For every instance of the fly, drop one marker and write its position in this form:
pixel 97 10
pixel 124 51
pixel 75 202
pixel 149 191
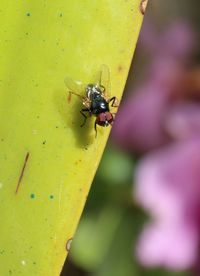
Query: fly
pixel 96 101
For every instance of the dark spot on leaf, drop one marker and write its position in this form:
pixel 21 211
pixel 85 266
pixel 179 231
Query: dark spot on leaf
pixel 120 68
pixel 22 172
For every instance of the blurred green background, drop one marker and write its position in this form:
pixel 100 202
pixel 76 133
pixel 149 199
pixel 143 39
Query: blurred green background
pixel 111 221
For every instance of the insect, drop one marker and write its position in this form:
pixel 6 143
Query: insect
pixel 96 100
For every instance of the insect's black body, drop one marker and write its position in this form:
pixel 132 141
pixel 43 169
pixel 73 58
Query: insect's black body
pixel 99 105
pixel 98 102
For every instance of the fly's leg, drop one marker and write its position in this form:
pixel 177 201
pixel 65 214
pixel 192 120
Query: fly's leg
pixel 114 102
pixel 87 103
pixel 95 128
pixel 114 114
pixel 83 114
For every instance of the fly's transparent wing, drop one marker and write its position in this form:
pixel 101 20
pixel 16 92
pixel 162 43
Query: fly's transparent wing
pixel 75 86
pixel 104 79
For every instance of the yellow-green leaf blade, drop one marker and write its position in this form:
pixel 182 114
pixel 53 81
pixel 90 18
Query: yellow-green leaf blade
pixel 42 195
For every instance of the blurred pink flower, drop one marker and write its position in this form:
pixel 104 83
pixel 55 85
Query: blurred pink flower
pixel 142 120
pixel 163 117
pixel 168 186
pixel 177 40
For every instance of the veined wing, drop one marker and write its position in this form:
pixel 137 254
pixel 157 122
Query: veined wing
pixel 104 79
pixel 75 86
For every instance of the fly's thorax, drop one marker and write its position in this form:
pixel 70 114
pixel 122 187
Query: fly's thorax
pixel 93 91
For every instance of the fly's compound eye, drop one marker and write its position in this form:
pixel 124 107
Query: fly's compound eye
pixel 104 119
pixel 109 117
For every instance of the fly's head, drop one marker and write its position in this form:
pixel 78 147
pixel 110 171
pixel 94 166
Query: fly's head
pixel 104 119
